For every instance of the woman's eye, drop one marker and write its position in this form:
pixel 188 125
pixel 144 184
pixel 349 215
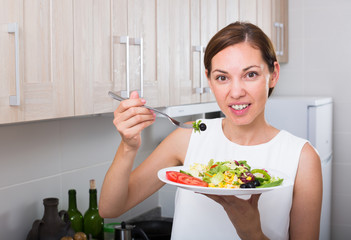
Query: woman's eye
pixel 221 78
pixel 251 74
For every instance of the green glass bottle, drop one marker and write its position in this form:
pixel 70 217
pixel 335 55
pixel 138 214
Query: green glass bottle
pixel 74 214
pixel 93 223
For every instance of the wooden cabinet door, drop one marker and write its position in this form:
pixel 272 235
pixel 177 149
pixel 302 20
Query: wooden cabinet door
pixel 228 12
pixel 280 29
pixel 134 64
pixel 248 11
pixel 92 57
pixel 264 16
pixel 10 19
pixel 174 36
pixel 48 59
pixel 45 32
pixel 204 27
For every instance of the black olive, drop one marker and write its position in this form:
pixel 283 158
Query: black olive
pixel 256 183
pixel 243 185
pixel 202 126
pixel 250 185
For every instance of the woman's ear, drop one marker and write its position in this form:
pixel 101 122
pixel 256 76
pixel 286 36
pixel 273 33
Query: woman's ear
pixel 275 75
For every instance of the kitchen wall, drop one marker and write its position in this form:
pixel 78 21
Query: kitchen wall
pixel 319 63
pixel 47 158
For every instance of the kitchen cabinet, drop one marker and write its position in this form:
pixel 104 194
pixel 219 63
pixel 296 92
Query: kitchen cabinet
pixel 272 17
pixel 183 31
pixel 92 57
pixel 134 50
pixel 248 11
pixel 114 50
pixel 36 44
pixel 280 29
pixel 60 58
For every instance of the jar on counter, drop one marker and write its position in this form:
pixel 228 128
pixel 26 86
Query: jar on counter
pixel 109 230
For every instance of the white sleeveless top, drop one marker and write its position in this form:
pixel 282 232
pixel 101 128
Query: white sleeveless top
pixel 198 217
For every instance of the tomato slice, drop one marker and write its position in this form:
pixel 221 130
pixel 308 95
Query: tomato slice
pixel 173 175
pixel 189 180
pixel 213 166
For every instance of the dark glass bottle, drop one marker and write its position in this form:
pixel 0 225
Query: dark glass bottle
pixel 74 214
pixel 93 223
pixel 54 225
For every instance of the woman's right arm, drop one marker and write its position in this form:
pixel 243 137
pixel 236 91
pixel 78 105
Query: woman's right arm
pixel 130 119
pixel 123 188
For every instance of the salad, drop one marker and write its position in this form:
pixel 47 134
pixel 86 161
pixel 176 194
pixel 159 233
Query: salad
pixel 226 174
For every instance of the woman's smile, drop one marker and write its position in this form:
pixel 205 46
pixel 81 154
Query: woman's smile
pixel 240 109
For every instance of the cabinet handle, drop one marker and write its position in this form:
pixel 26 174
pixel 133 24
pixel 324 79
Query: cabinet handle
pixel 132 41
pixel 277 37
pixel 140 42
pixel 125 40
pixel 282 39
pixel 15 99
pixel 201 89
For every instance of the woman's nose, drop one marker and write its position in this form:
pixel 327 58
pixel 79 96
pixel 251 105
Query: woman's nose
pixel 237 89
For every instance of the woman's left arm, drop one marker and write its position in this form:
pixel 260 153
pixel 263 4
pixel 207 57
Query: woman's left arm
pixel 307 198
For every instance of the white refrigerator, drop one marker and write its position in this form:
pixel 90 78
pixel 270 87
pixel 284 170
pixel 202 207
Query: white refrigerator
pixel 309 118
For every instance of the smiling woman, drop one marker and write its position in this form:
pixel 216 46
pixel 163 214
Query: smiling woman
pixel 242 71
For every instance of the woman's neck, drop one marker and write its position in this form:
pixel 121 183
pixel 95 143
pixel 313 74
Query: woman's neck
pixel 255 133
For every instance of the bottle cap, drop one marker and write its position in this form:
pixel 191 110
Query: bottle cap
pixel 92 184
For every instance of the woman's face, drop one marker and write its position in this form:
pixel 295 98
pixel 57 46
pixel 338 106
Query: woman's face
pixel 240 81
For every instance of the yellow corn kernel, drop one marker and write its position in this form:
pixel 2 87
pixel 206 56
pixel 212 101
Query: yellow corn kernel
pixel 211 185
pixel 239 181
pixel 249 178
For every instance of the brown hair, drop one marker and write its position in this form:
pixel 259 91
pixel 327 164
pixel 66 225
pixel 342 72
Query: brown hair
pixel 238 32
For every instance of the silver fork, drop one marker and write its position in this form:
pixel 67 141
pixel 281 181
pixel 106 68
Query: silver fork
pixel 175 122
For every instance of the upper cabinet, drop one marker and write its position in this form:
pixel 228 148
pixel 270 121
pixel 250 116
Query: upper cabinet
pixel 92 57
pixel 134 57
pixel 36 45
pixel 115 49
pixel 60 58
pixel 272 17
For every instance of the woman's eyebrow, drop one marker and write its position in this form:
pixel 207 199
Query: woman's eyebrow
pixel 221 71
pixel 252 66
pixel 245 69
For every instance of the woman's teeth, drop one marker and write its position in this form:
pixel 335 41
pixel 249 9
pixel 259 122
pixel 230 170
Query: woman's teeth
pixel 240 107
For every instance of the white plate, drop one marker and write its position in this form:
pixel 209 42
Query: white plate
pixel 224 191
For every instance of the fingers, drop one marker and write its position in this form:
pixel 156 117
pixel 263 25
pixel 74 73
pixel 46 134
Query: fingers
pixel 134 95
pixel 130 118
pixel 133 101
pixel 254 199
pixel 233 200
pixel 216 198
pixel 133 116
